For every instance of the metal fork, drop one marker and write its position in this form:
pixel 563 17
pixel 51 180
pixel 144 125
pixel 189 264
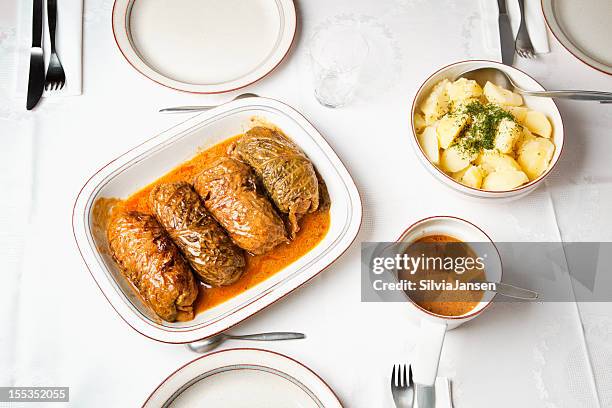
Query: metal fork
pixel 522 44
pixel 402 387
pixel 56 78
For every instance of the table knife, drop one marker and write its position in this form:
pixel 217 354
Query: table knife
pixel 506 39
pixel 36 81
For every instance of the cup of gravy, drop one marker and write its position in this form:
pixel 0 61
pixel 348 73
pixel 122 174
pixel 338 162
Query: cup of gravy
pixel 444 296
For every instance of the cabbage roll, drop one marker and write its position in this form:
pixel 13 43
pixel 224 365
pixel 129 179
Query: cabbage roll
pixel 149 259
pixel 287 174
pixel 229 191
pixel 215 259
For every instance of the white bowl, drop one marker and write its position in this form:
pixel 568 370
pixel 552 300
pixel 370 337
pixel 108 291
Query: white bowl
pixel 545 105
pixel 155 157
pixel 464 231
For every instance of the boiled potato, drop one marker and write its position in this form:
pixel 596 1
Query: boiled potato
pixel 463 89
pixel 491 161
pixel 459 104
pixel 526 135
pixel 419 122
pixel 471 177
pixel 437 103
pixel 508 132
pixel 496 94
pixel 519 112
pixel 534 156
pixel 449 128
pixel 429 142
pixel 538 123
pixel 504 180
pixel 458 175
pixel 520 151
pixel 453 159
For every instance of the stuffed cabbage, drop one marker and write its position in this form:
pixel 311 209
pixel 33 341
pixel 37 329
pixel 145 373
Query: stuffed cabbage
pixel 287 174
pixel 229 191
pixel 215 259
pixel 149 259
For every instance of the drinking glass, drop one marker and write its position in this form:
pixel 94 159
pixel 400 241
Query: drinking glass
pixel 337 56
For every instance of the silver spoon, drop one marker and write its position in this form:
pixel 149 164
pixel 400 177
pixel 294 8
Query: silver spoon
pixel 204 345
pixel 500 78
pixel 201 108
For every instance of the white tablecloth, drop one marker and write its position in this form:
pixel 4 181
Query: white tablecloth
pixel 57 328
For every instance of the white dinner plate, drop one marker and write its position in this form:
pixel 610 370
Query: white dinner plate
pixel 204 46
pixel 584 28
pixel 243 378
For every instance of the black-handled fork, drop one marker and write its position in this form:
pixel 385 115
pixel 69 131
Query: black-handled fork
pixel 56 78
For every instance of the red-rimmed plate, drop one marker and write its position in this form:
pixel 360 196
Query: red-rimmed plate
pixel 583 28
pixel 243 378
pixel 204 46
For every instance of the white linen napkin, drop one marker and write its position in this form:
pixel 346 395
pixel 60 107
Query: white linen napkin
pixel 536 25
pixel 16 178
pixel 443 393
pixel 69 44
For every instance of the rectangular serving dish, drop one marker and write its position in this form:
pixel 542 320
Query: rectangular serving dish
pixel 155 157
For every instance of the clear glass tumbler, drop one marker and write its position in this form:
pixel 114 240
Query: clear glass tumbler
pixel 337 56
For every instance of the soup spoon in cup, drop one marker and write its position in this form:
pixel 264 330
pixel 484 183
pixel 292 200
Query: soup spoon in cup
pixel 514 292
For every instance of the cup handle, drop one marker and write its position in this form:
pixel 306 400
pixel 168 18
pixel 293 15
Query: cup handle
pixel 428 350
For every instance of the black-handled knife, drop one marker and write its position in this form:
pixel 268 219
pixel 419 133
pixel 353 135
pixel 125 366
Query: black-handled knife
pixel 506 39
pixel 36 81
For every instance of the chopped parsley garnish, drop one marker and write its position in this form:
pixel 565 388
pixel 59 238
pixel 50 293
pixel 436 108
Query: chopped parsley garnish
pixel 480 133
